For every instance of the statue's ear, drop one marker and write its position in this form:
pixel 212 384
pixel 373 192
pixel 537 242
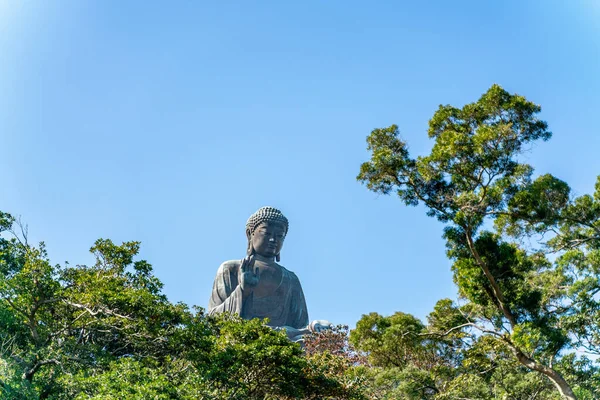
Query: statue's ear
pixel 278 257
pixel 250 249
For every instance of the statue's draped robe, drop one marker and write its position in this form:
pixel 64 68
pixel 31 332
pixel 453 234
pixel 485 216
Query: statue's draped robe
pixel 284 307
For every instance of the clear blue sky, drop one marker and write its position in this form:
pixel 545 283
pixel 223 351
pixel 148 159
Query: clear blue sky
pixel 171 123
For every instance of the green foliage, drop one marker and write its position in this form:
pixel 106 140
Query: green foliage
pixel 471 171
pixel 11 384
pixel 128 379
pixel 390 341
pixel 408 360
pixel 449 363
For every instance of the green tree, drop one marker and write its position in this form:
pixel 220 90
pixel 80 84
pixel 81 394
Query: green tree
pixel 79 318
pixel 473 175
pixel 405 360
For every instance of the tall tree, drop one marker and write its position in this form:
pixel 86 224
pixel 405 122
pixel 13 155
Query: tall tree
pixel 473 176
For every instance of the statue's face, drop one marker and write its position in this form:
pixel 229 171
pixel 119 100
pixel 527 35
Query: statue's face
pixel 267 239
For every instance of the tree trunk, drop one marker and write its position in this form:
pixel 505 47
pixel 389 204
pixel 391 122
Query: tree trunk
pixel 563 387
pixel 498 296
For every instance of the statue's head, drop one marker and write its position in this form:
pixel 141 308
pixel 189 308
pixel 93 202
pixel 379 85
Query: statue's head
pixel 266 230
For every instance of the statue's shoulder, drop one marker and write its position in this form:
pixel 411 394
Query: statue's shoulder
pixel 229 266
pixel 292 276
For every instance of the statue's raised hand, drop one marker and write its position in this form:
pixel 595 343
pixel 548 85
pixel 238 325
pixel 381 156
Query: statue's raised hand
pixel 248 275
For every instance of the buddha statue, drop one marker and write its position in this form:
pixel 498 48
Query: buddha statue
pixel 258 286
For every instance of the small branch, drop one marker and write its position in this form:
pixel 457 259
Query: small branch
pixel 99 311
pixel 28 375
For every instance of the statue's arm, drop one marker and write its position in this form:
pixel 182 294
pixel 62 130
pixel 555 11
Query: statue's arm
pixel 300 314
pixel 226 294
pixel 299 325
